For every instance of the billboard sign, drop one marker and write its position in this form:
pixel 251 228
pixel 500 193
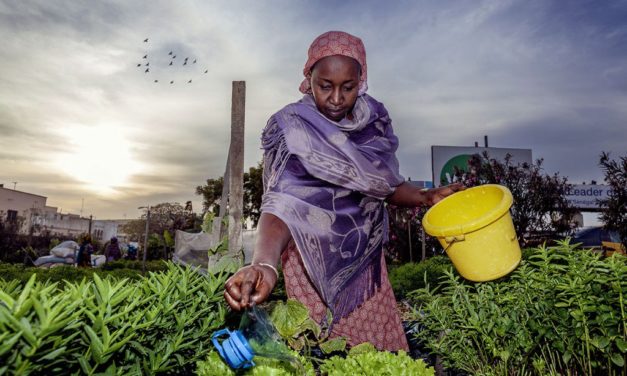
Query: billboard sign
pixel 586 196
pixel 444 159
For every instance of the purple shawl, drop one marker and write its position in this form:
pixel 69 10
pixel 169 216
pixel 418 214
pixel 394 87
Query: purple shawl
pixel 327 180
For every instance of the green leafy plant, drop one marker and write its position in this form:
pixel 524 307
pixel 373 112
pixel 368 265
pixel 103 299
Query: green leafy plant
pixel 157 324
pixel 375 363
pixel 561 311
pixel 291 320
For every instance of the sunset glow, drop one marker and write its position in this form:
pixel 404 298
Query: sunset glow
pixel 99 156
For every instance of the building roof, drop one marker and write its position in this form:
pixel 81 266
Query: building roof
pixel 25 193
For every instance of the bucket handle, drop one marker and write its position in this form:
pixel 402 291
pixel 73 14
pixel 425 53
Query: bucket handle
pixel 452 240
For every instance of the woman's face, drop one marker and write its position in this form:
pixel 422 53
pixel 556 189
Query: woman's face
pixel 335 85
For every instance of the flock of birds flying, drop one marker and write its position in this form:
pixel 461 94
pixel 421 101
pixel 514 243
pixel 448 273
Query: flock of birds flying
pixel 173 68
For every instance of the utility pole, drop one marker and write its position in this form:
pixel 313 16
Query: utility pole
pixel 411 252
pixel 14 185
pixel 145 237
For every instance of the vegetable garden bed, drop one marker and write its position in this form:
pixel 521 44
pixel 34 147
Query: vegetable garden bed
pixel 561 312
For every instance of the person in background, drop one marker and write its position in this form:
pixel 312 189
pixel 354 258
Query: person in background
pixel 131 252
pixel 113 252
pixel 329 169
pixel 83 259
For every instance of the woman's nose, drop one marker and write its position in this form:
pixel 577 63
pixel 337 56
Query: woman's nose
pixel 336 97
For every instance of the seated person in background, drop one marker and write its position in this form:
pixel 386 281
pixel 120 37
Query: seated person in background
pixel 113 252
pixel 83 258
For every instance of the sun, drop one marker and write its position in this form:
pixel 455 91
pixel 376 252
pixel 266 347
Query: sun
pixel 100 156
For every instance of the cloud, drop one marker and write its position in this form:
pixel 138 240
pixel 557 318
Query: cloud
pixel 549 76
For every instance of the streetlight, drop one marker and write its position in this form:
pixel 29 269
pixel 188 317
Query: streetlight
pixel 146 236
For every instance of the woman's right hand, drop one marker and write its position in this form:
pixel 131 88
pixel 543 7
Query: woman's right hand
pixel 250 285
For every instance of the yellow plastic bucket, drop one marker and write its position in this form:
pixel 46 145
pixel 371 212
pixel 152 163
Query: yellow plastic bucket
pixel 476 230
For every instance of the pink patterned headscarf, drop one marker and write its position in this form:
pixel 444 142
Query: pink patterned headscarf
pixel 335 43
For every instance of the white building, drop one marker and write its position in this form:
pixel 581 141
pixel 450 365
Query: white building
pixel 25 209
pixel 104 229
pixel 31 213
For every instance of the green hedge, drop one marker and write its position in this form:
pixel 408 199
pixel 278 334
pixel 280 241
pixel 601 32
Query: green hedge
pixel 161 323
pixel 412 276
pixel 118 269
pixel 562 311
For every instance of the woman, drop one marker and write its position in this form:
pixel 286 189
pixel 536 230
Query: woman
pixel 329 167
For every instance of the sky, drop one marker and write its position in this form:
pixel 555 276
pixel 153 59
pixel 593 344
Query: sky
pixel 82 124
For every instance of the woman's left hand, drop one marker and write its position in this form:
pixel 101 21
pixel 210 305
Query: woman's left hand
pixel 435 195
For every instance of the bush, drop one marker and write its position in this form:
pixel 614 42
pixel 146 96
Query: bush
pixel 160 323
pixel 412 276
pixel 117 269
pixel 561 311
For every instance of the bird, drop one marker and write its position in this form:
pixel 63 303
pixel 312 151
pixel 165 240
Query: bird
pixel 156 80
pixel 173 56
pixel 146 40
pixel 170 63
pixel 185 63
pixel 147 64
pixel 145 56
pixel 139 65
pixel 147 70
pixel 189 82
pixel 171 82
pixel 207 71
pixel 186 58
pixel 194 62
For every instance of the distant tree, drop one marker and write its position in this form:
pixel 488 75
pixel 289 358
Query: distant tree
pixel 9 237
pixel 253 191
pixel 211 193
pixel 165 219
pixel 614 208
pixel 540 208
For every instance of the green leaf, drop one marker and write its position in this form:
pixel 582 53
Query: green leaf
pixel 7 300
pixel 362 348
pixel 621 344
pixel 601 342
pixel 95 344
pixel 53 354
pixel 288 317
pixel 618 359
pixel 84 365
pixel 333 345
pixel 18 309
pixel 8 343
